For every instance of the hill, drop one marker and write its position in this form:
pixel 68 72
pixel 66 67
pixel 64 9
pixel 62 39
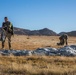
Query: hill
pixel 72 33
pixel 44 31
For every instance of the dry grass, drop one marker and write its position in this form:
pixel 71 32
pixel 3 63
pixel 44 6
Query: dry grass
pixel 34 42
pixel 37 65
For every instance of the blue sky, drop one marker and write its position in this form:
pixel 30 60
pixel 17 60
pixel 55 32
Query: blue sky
pixel 57 15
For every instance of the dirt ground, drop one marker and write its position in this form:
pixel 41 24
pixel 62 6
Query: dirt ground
pixel 33 42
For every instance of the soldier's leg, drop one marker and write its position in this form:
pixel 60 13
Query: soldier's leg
pixel 3 43
pixel 62 42
pixel 1 36
pixel 66 42
pixel 9 42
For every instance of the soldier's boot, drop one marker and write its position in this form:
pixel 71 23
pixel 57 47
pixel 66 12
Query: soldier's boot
pixel 58 43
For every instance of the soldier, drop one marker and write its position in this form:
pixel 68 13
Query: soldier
pixel 63 39
pixel 7 31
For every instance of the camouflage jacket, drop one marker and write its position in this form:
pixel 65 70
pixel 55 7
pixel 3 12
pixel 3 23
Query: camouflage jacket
pixel 7 26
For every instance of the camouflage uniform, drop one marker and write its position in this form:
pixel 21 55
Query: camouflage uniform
pixel 7 31
pixel 63 39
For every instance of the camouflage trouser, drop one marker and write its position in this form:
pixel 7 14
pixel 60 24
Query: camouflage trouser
pixel 5 35
pixel 62 41
pixel 65 40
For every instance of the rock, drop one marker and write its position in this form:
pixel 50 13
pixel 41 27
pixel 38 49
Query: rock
pixel 45 51
pixel 68 51
pixel 73 46
pixel 20 52
pixel 65 51
pixel 5 52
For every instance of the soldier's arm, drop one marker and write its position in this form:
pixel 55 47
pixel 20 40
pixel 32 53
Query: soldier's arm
pixel 2 25
pixel 12 29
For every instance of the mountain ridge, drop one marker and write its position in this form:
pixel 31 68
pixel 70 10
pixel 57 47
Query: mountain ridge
pixel 44 31
pixel 71 33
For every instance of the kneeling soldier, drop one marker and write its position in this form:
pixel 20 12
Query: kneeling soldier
pixel 63 39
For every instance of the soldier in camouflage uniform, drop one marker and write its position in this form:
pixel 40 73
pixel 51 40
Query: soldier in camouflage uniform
pixel 63 39
pixel 7 31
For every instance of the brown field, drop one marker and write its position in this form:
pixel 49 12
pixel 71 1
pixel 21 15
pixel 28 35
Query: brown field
pixel 34 42
pixel 37 65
